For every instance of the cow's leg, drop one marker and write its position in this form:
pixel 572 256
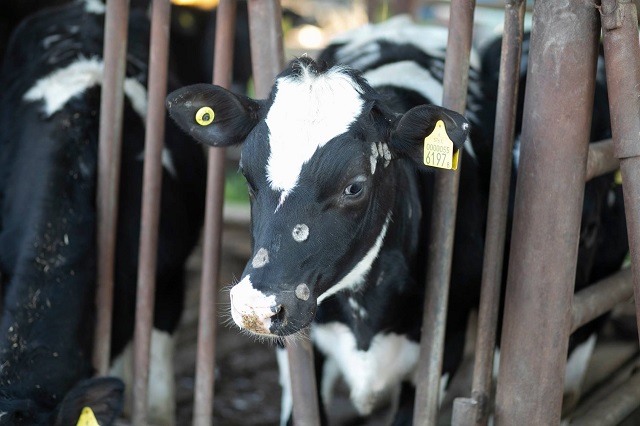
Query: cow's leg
pixel 576 370
pixel 286 404
pixel 161 404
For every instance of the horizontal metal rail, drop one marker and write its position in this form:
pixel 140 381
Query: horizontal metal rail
pixel 601 297
pixel 601 159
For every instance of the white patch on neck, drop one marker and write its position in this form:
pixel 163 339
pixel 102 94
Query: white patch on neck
pixel 286 402
pixel 308 111
pixel 407 75
pixel 57 88
pixel 358 274
pixel 94 6
pixel 374 375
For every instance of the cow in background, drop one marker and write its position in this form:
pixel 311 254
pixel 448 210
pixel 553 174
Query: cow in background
pixel 603 243
pixel 49 111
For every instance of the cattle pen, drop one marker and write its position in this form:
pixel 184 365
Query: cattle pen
pixel 539 308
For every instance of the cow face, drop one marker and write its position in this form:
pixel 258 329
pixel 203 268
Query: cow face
pixel 321 161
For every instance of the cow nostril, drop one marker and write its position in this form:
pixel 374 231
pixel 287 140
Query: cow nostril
pixel 279 313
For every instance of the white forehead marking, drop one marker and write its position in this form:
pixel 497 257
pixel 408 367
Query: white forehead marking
pixel 358 274
pixel 300 232
pixel 308 111
pixel 261 258
pixel 407 75
pixel 57 88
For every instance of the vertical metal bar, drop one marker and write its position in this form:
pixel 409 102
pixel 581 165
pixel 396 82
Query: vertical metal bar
pixel 497 214
pixel 622 59
pixel 267 54
pixel 150 215
pixel 442 231
pixel 110 136
pixel 548 205
pixel 205 358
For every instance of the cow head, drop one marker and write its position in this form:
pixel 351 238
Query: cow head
pixel 320 158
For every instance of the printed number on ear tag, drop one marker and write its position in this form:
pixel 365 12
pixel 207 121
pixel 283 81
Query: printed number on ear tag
pixel 87 418
pixel 438 149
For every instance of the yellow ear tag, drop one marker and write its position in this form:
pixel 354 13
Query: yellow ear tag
pixel 204 116
pixel 617 178
pixel 87 418
pixel 438 149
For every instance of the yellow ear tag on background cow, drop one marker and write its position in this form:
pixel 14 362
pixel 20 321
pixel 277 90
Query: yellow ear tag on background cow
pixel 204 116
pixel 87 418
pixel 438 149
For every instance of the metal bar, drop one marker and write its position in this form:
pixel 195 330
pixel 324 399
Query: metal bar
pixel 205 358
pixel 267 55
pixel 110 140
pixel 442 230
pixel 615 407
pixel 546 224
pixel 622 58
pixel 601 159
pixel 497 213
pixel 601 297
pixel 150 215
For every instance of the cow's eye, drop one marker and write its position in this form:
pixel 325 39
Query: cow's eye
pixel 353 189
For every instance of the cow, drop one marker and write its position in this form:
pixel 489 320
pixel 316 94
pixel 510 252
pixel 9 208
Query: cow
pixel 341 197
pixel 334 241
pixel 49 123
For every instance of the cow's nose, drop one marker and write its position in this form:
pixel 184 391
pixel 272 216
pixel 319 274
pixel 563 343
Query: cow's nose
pixel 253 310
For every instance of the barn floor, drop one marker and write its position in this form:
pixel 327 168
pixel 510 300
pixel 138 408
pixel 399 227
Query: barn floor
pixel 247 391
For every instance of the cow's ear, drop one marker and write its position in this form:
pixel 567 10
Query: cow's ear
pixel 213 115
pixel 102 395
pixel 420 130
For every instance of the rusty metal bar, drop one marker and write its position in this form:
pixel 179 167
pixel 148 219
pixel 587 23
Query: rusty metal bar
pixel 601 297
pixel 267 55
pixel 615 407
pixel 546 225
pixel 456 76
pixel 110 140
pixel 150 215
pixel 622 58
pixel 205 358
pixel 601 159
pixel 497 215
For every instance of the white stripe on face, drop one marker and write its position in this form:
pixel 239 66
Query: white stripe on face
pixel 358 274
pixel 307 112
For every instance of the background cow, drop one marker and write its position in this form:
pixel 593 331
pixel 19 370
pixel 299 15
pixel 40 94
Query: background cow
pixel 49 110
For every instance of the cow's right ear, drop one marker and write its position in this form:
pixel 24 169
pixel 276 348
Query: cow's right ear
pixel 213 115
pixel 420 131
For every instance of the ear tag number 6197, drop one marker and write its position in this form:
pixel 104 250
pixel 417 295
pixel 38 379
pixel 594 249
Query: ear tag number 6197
pixel 438 149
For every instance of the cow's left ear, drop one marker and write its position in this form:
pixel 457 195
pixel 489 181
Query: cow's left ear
pixel 212 115
pixel 425 131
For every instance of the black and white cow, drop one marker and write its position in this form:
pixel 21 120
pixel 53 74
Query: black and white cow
pixel 338 226
pixel 49 112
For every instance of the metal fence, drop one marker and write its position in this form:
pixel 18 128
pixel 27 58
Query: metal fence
pixel 529 389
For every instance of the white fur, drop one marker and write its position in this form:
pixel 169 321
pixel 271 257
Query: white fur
pixel 94 6
pixel 407 75
pixel 246 300
pixel 308 111
pixel 161 402
pixel 300 232
pixel 358 274
pixel 261 258
pixel 373 376
pixel 577 365
pixel 57 88
pixel 286 407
